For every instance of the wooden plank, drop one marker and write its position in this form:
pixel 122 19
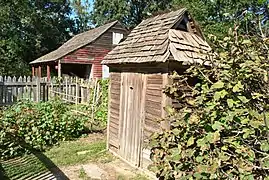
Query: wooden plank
pixel 115 107
pixel 152 98
pixel 155 76
pixel 114 142
pixel 114 121
pixel 150 129
pixel 115 77
pixel 115 96
pixel 155 81
pixel 114 118
pixel 154 105
pixel 115 102
pixel 115 91
pixel 155 112
pixel 152 123
pixel 116 112
pixel 155 87
pixel 113 130
pixel 154 92
pixel 152 117
pixel 108 118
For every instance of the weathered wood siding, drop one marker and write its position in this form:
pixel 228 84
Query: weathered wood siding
pixel 153 105
pixel 153 112
pixel 114 111
pixel 106 40
pixel 95 52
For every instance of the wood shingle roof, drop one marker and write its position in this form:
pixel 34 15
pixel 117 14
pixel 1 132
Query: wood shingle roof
pixel 154 40
pixel 75 43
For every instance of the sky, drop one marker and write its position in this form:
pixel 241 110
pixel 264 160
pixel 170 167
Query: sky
pixel 84 1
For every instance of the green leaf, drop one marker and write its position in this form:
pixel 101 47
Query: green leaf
pixel 256 124
pixel 265 146
pixel 190 141
pixel 194 119
pixel 243 99
pixel 220 94
pixel 199 158
pixel 217 126
pixel 246 41
pixel 238 87
pixel 230 103
pixel 217 85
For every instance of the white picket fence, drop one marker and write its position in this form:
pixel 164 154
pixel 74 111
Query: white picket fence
pixel 69 89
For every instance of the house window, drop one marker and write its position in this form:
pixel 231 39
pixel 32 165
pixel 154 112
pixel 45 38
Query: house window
pixel 105 71
pixel 117 37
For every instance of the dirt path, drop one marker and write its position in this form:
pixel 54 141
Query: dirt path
pixel 110 171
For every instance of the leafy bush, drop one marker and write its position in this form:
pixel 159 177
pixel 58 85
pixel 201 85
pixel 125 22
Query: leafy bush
pixel 28 125
pixel 221 129
pixel 96 110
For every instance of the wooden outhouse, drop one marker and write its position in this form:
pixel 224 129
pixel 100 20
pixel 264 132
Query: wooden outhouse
pixel 82 55
pixel 139 71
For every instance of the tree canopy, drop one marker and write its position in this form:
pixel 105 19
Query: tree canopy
pixel 129 12
pixel 81 11
pixel 217 16
pixel 29 29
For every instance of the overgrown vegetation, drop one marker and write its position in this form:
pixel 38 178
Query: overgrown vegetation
pixel 36 126
pixel 28 126
pixel 97 108
pixel 221 129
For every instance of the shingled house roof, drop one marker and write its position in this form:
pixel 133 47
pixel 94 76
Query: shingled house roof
pixel 154 40
pixel 75 43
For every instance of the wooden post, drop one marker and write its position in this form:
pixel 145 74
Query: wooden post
pixel 77 89
pixel 33 71
pixel 59 69
pixel 48 72
pixel 38 89
pixel 39 71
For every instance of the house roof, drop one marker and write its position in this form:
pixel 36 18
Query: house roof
pixel 75 43
pixel 154 40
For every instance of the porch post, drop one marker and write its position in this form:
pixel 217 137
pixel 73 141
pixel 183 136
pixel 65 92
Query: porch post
pixel 59 68
pixel 39 71
pixel 48 72
pixel 33 71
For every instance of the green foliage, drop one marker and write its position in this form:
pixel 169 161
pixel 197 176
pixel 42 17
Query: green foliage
pixel 30 29
pixel 216 17
pixel 96 109
pixel 82 14
pixel 221 129
pixel 130 12
pixel 36 126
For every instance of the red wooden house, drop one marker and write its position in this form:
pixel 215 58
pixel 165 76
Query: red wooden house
pixel 82 55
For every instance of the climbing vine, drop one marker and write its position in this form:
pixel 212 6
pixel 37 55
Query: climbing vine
pixel 220 131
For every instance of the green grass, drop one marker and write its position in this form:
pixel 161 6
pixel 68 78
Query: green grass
pixel 67 152
pixel 23 167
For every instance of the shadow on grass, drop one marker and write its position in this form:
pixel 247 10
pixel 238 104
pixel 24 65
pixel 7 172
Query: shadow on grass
pixel 2 173
pixel 35 166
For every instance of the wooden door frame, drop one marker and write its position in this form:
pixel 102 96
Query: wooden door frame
pixel 122 125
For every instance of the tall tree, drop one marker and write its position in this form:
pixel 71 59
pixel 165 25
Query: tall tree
pixel 81 11
pixel 129 12
pixel 29 29
pixel 217 16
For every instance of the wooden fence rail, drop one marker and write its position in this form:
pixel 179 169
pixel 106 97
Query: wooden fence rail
pixel 69 89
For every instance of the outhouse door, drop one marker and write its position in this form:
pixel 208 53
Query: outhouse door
pixel 131 117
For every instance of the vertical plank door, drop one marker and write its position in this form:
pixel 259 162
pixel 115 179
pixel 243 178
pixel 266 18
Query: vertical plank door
pixel 131 117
